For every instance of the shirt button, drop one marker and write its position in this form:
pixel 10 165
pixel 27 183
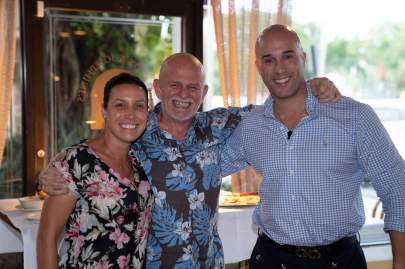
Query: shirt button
pixel 291 172
pixel 297 222
pixel 293 197
pixel 291 147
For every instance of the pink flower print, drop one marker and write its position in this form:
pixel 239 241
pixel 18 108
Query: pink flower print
pixel 98 265
pixel 119 238
pixel 123 180
pixel 120 219
pixel 112 172
pixel 63 168
pixel 103 175
pixel 78 240
pixel 134 207
pixel 78 243
pixel 74 230
pixel 123 262
pixel 144 188
pixel 104 265
pixel 105 188
pixel 143 225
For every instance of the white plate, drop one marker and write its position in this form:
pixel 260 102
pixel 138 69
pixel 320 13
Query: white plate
pixel 34 217
pixel 19 207
pixel 31 202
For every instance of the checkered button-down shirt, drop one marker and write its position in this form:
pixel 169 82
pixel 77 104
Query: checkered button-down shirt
pixel 310 194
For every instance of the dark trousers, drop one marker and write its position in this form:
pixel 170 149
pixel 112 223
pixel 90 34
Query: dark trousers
pixel 345 254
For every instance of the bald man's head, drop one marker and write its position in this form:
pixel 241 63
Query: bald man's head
pixel 280 61
pixel 272 32
pixel 180 88
pixel 181 60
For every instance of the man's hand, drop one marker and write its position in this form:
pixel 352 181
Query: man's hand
pixel 325 90
pixel 51 181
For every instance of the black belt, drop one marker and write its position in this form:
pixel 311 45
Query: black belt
pixel 315 252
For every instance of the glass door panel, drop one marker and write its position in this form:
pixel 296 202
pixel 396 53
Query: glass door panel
pixel 85 49
pixel 71 48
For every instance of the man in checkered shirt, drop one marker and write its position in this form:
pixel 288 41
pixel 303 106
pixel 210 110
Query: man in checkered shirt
pixel 313 158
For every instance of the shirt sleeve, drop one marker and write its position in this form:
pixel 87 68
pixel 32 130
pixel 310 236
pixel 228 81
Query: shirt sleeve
pixel 235 115
pixel 67 167
pixel 221 122
pixel 233 154
pixel 384 166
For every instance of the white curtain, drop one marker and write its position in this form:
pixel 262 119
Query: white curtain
pixel 8 19
pixel 237 24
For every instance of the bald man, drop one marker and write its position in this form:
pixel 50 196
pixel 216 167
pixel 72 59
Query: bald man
pixel 313 158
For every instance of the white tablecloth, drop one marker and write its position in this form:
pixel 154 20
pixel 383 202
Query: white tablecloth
pixel 235 228
pixel 11 239
pixel 238 234
pixel 234 225
pixel 26 241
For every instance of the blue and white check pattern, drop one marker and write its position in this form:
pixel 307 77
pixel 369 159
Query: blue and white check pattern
pixel 310 194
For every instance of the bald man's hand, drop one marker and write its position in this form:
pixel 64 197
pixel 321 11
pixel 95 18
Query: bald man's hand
pixel 325 90
pixel 51 181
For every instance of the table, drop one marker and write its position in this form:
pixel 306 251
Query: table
pixel 235 227
pixel 25 241
pixel 11 239
pixel 238 233
pixel 236 230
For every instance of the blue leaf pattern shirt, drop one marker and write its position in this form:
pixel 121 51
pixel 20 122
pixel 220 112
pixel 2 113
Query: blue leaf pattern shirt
pixel 310 194
pixel 185 178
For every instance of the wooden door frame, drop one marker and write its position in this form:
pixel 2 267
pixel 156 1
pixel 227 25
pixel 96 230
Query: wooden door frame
pixel 33 61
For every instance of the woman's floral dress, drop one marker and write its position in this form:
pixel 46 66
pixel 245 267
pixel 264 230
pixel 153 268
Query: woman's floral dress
pixel 109 225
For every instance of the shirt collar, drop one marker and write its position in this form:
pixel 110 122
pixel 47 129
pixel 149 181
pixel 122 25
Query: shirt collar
pixel 311 104
pixel 153 125
pixel 153 122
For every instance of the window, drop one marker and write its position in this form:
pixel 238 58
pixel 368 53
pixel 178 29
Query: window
pixel 69 45
pixel 358 46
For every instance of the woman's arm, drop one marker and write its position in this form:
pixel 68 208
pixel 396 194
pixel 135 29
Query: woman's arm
pixel 55 213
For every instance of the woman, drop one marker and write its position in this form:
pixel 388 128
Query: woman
pixel 106 214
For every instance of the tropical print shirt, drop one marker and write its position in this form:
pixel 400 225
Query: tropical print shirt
pixel 109 225
pixel 185 178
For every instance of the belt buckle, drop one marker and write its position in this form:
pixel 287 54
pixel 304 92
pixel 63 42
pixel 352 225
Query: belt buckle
pixel 307 253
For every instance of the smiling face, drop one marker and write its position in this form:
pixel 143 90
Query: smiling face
pixel 280 61
pixel 180 88
pixel 126 112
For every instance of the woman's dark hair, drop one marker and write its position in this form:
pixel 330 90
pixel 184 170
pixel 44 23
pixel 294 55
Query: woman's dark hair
pixel 123 78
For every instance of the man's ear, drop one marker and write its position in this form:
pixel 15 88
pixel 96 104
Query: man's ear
pixel 304 58
pixel 258 63
pixel 157 89
pixel 205 90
